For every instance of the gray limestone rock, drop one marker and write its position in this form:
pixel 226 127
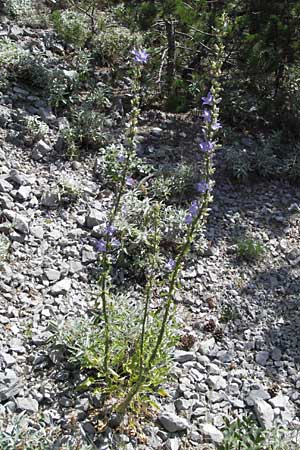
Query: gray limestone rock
pixel 40 150
pixel 94 218
pixel 216 382
pixel 182 356
pixel 171 422
pixel 211 433
pixel 10 385
pixel 27 404
pixel 257 394
pixel 205 347
pixel 264 413
pixel 61 287
pixel 262 358
pixel 280 401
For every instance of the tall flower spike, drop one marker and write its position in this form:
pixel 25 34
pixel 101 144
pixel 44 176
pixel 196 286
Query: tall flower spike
pixel 140 56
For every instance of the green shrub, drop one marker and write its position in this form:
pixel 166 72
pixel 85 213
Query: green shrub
pixel 83 343
pixel 31 71
pixel 22 433
pixel 71 27
pixel 245 434
pixel 18 8
pixel 113 45
pixel 266 157
pixel 250 249
pixel 34 129
pixel 10 53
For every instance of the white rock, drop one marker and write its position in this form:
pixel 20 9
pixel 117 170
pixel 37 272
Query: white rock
pixel 182 356
pixel 257 394
pixel 171 422
pixel 52 274
pixel 27 404
pixel 94 218
pixel 262 358
pixel 211 433
pixel 23 192
pixel 205 347
pixel 216 382
pixel 280 401
pixel 61 287
pixel 264 413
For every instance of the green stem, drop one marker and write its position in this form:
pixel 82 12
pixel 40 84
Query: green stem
pixel 172 285
pixel 141 374
pixel 115 209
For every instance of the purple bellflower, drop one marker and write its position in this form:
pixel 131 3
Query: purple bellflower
pixel 130 181
pixel 206 146
pixel 140 56
pixel 216 126
pixel 208 100
pixel 202 187
pixel 193 211
pixel 170 265
pixel 101 246
pixel 115 243
pixel 206 115
pixel 109 230
pixel 121 158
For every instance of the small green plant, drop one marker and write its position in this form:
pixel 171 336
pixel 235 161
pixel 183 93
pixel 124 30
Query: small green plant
pixel 18 8
pixel 62 89
pixel 84 342
pixel 20 432
pixel 10 53
pixel 112 45
pixel 244 434
pixel 250 249
pixel 30 70
pixel 35 129
pixel 175 182
pixel 68 192
pixel 89 128
pixel 71 27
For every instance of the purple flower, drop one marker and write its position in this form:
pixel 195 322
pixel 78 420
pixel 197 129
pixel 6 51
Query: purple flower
pixel 121 158
pixel 202 187
pixel 170 265
pixel 188 219
pixel 194 208
pixel 206 115
pixel 130 181
pixel 216 126
pixel 115 243
pixel 208 100
pixel 110 230
pixel 101 246
pixel 206 146
pixel 140 56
